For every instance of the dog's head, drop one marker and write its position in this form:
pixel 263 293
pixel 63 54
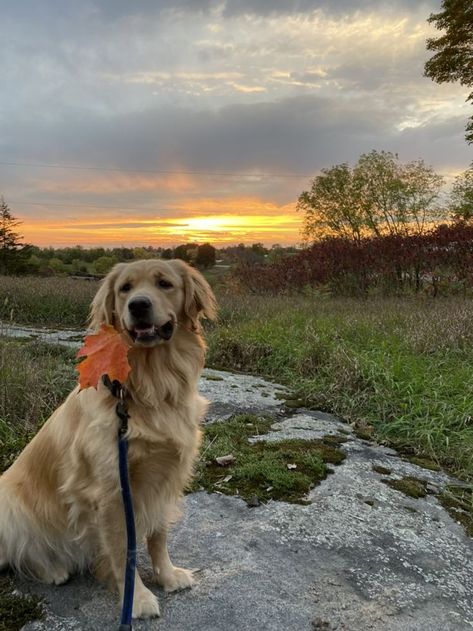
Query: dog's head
pixel 148 299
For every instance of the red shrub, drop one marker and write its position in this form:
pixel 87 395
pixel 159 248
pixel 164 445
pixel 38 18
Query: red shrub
pixel 441 260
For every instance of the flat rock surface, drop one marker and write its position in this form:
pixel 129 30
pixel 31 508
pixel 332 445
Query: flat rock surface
pixel 360 556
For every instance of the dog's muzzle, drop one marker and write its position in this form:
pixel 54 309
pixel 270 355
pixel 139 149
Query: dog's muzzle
pixel 143 329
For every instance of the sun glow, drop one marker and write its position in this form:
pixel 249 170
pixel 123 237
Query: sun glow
pixel 218 229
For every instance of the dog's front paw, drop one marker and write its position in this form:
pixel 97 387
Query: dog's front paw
pixel 145 604
pixel 174 579
pixel 57 576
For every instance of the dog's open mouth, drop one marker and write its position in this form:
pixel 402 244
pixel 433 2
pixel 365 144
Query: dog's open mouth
pixel 146 333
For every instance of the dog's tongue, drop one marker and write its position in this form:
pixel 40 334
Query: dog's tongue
pixel 144 331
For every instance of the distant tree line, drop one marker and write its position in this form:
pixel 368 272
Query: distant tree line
pixel 19 258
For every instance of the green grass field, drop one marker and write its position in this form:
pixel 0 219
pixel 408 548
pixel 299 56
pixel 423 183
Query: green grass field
pixel 404 366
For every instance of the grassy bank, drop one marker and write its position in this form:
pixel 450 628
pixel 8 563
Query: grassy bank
pixel 404 366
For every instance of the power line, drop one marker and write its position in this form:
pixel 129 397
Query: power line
pixel 234 174
pixel 74 205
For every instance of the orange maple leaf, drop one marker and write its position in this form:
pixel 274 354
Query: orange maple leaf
pixel 106 353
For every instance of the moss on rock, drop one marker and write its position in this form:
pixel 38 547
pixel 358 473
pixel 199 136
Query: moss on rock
pixel 412 487
pixel 283 470
pixel 17 609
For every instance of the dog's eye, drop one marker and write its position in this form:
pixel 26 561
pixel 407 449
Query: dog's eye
pixel 165 284
pixel 126 287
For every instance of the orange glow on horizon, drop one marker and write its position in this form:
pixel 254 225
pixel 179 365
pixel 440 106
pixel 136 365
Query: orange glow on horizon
pixel 249 221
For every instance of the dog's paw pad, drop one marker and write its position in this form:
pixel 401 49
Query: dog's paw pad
pixel 145 605
pixel 177 578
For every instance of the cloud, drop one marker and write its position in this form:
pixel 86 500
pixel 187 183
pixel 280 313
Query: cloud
pixel 234 86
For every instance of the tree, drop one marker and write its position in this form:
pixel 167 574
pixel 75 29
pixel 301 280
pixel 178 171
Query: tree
pixel 206 255
pixel 186 252
pixel 56 265
pixel 380 195
pixel 104 264
pixel 396 198
pixel 166 253
pixel 461 197
pixel 453 50
pixel 10 240
pixel 332 206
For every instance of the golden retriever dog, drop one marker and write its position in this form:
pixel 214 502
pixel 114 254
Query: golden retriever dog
pixel 60 503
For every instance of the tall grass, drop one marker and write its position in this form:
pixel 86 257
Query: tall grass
pixel 60 302
pixel 34 380
pixel 403 365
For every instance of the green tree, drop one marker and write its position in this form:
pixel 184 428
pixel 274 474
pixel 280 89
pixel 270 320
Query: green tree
pixel 453 49
pixel 104 264
pixel 461 197
pixel 206 255
pixel 10 240
pixel 332 206
pixel 56 265
pixel 396 198
pixel 380 195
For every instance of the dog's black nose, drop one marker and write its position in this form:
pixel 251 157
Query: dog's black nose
pixel 139 306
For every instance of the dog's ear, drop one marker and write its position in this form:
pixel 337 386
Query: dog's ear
pixel 199 299
pixel 103 305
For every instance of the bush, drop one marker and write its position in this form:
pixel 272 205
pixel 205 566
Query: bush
pixel 440 261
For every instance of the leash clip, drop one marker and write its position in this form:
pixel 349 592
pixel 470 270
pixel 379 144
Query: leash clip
pixel 118 391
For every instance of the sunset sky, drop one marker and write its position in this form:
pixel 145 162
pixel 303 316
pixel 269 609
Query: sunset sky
pixel 157 122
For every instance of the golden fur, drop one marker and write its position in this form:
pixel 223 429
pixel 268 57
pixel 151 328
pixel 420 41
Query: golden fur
pixel 60 501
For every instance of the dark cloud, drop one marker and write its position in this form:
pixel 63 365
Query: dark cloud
pixel 338 7
pixel 295 135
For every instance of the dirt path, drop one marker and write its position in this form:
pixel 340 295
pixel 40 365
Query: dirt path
pixel 360 556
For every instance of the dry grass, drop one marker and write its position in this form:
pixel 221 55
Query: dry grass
pixel 60 302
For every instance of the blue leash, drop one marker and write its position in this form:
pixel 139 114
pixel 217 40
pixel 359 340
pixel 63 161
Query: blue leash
pixel 118 391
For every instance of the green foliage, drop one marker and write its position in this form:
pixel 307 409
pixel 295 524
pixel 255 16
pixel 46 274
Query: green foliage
pixel 378 196
pixel 453 56
pixel 333 205
pixel 461 199
pixel 104 264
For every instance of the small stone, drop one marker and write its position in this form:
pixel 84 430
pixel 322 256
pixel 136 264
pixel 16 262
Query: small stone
pixel 253 501
pixel 291 466
pixel 225 461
